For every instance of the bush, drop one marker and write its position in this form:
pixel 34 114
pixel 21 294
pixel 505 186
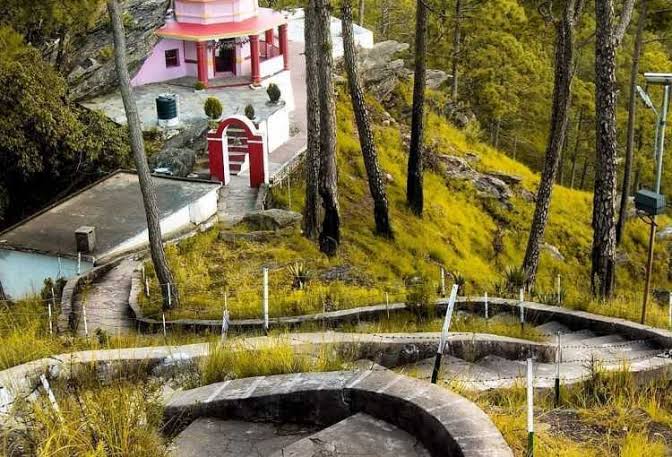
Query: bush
pixel 213 108
pixel 199 85
pixel 274 93
pixel 249 112
pixel 105 53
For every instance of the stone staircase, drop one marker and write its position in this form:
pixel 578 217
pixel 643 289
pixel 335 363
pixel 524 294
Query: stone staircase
pixel 238 152
pixel 581 352
pixel 359 434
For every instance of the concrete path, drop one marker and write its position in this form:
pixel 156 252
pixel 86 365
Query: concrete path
pixel 106 301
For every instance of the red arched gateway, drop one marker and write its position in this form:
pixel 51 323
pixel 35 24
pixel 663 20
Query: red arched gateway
pixel 235 146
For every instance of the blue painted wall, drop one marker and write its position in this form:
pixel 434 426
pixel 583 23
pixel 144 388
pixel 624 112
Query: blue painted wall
pixel 23 273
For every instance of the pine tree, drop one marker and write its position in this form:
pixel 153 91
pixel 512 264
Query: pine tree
pixel 363 121
pixel 163 273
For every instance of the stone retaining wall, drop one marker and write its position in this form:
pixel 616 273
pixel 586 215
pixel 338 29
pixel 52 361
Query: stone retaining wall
pixel 444 422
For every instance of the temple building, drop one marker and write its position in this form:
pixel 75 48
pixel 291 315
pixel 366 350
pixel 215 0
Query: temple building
pixel 219 43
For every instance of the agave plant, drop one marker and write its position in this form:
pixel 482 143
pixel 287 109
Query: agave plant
pixel 460 280
pixel 515 279
pixel 300 275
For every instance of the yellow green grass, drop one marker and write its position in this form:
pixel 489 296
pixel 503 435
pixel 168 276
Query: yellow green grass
pixel 609 415
pixel 474 236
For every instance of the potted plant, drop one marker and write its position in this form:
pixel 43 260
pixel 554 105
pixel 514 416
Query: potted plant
pixel 250 113
pixel 213 109
pixel 199 87
pixel 274 93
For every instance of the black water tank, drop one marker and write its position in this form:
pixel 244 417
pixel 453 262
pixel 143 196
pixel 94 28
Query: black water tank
pixel 166 107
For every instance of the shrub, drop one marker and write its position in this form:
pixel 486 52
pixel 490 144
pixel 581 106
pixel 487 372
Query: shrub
pixel 300 275
pixel 249 112
pixel 459 280
pixel 274 93
pixel 105 53
pixel 515 279
pixel 213 108
pixel 199 85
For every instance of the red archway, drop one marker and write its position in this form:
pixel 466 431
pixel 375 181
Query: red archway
pixel 254 147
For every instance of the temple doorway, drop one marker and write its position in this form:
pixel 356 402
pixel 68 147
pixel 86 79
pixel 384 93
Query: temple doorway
pixel 225 56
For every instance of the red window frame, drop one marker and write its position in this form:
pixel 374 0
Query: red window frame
pixel 172 57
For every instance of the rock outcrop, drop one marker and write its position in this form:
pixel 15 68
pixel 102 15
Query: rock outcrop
pixel 271 219
pixel 495 185
pixel 92 70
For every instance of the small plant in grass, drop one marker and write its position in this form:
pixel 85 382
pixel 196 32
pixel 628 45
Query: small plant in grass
pixel 274 93
pixel 300 275
pixel 199 86
pixel 459 280
pixel 250 113
pixel 514 280
pixel 420 297
pixel 213 108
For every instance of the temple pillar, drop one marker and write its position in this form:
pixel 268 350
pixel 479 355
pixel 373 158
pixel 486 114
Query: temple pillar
pixel 284 45
pixel 256 65
pixel 270 39
pixel 202 61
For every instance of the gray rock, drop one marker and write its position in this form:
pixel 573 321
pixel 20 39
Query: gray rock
pixel 665 234
pixel 271 219
pixel 89 75
pixel 553 251
pixel 180 161
pixel 380 70
pixel 511 180
pixel 528 196
pixel 487 184
pixel 435 78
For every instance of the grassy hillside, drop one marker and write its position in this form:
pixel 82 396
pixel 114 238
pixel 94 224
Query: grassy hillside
pixel 475 236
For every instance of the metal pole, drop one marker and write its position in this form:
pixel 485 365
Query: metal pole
pixel 558 360
pixel 442 281
pixel 660 150
pixel 649 268
pixel 661 138
pixel 486 305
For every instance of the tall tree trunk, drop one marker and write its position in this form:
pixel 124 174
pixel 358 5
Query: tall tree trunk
pixel 385 18
pixel 457 41
pixel 311 212
pixel 375 177
pixel 604 229
pixel 330 236
pixel 149 199
pixel 564 57
pixel 414 191
pixel 632 111
pixel 360 13
pixel 577 144
pixel 584 173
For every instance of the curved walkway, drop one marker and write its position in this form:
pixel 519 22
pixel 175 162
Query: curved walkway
pixel 107 301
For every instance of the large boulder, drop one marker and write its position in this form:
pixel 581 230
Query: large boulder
pixel 271 219
pixel 179 161
pixel 91 71
pixel 380 69
pixel 487 184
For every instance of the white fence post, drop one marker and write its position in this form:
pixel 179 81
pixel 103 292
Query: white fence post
pixel 79 263
pixel 521 306
pixel 163 319
pixel 49 304
pixel 486 306
pixel 147 287
pixel 170 296
pixel 225 317
pixel 86 325
pixel 387 304
pixel 265 297
pixel 559 289
pixel 530 409
pixel 50 395
pixel 442 281
pixel 558 360
pixel 444 333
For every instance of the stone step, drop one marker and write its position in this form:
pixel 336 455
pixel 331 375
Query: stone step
pixel 603 340
pixel 452 369
pixel 552 328
pixel 573 337
pixel 502 367
pixel 359 434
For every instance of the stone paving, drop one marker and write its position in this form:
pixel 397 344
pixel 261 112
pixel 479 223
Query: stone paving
pixel 106 301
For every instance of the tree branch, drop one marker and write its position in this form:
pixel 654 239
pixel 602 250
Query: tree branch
pixel 622 27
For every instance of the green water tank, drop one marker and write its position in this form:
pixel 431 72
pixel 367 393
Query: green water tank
pixel 166 107
pixel 650 202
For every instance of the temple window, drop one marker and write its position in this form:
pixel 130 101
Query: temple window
pixel 172 58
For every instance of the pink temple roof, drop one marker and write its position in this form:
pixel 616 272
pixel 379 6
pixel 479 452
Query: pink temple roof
pixel 265 20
